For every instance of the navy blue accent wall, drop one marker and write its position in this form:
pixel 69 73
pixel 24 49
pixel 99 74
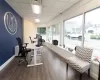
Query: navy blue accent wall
pixel 8 41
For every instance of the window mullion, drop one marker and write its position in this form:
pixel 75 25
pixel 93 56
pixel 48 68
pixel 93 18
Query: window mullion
pixel 83 30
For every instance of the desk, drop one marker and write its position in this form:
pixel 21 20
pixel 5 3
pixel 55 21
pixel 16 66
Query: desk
pixel 34 59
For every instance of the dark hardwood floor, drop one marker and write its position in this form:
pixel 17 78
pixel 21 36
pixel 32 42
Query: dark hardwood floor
pixel 15 72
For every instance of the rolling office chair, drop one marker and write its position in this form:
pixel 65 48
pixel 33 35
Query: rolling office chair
pixel 23 51
pixel 31 40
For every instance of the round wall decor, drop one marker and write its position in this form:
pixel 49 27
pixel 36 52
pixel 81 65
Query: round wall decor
pixel 10 23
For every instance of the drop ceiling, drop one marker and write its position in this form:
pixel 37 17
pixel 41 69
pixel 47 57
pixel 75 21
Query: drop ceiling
pixel 50 8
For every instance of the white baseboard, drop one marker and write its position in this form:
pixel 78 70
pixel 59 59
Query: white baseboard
pixel 6 63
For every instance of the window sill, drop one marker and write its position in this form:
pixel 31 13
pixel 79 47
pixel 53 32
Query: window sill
pixel 73 53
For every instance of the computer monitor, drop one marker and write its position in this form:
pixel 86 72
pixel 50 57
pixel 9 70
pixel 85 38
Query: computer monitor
pixel 39 39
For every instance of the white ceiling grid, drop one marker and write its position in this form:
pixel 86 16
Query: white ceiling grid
pixel 50 8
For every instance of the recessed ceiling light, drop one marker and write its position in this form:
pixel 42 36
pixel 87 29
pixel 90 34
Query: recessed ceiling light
pixel 36 9
pixel 37 20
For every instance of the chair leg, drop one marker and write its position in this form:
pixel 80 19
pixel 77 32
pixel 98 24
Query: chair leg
pixel 89 72
pixel 20 62
pixel 67 67
pixel 80 76
pixel 26 61
pixel 66 71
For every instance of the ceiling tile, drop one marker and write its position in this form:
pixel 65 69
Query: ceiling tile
pixel 49 3
pixel 64 0
pixel 50 8
pixel 21 1
pixel 61 5
pixel 73 1
pixel 20 5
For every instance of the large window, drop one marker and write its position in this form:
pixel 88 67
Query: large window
pixel 42 31
pixel 56 32
pixel 73 31
pixel 49 34
pixel 92 31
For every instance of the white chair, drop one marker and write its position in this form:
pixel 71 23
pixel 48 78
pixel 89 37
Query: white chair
pixel 81 60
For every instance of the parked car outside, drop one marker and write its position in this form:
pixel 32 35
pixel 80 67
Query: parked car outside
pixel 75 35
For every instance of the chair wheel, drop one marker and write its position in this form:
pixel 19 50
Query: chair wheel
pixel 19 63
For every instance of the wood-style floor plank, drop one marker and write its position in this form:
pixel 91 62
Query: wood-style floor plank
pixel 22 72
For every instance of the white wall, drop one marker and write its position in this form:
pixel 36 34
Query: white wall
pixel 29 29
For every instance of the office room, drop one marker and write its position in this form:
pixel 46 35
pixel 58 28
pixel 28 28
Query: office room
pixel 49 39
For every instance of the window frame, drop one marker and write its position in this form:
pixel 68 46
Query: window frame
pixel 82 29
pixel 59 33
pixel 83 24
pixel 62 22
pixel 49 34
